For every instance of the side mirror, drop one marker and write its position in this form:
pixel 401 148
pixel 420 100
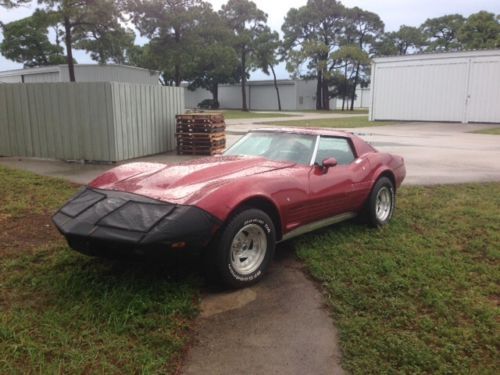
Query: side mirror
pixel 329 163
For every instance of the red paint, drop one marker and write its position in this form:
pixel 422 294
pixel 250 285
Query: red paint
pixel 300 193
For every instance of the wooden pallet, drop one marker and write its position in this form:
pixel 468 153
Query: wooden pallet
pixel 200 128
pixel 196 150
pixel 200 133
pixel 201 117
pixel 213 144
pixel 218 135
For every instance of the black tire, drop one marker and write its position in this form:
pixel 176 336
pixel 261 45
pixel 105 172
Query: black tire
pixel 381 203
pixel 255 231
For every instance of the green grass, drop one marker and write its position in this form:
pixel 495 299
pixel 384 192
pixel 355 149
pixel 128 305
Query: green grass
pixel 494 131
pixel 335 111
pixel 420 295
pixel 346 122
pixel 61 312
pixel 23 193
pixel 233 114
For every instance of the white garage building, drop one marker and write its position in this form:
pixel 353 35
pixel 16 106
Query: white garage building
pixel 83 73
pixel 456 87
pixel 295 95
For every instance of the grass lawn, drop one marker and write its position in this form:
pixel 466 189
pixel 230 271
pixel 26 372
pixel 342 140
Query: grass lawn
pixel 61 312
pixel 347 122
pixel 322 111
pixel 422 294
pixel 234 114
pixel 494 131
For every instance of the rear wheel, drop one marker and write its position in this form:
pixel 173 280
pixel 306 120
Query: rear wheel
pixel 381 203
pixel 245 248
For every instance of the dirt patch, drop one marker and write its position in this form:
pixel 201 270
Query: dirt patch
pixel 25 233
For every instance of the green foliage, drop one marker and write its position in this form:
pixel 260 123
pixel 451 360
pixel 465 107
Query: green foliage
pixel 26 42
pixel 330 39
pixel 419 296
pixel 442 32
pixel 173 28
pixel 215 60
pixel 407 39
pixel 481 30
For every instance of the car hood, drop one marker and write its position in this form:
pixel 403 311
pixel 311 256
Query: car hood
pixel 183 183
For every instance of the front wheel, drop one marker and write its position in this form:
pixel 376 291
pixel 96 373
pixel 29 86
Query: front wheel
pixel 381 203
pixel 245 248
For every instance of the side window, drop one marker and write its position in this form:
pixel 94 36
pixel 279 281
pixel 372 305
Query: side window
pixel 338 148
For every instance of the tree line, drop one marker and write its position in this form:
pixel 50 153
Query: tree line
pixel 189 41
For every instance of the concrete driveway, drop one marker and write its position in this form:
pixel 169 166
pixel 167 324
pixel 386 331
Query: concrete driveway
pixel 280 326
pixel 435 153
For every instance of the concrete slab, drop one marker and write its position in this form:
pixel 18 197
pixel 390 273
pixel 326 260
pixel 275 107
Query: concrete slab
pixel 440 153
pixel 279 326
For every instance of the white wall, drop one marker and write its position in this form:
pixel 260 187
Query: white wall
pixel 11 79
pixel 230 96
pixel 458 87
pixel 306 95
pixel 42 77
pixel 484 90
pixel 263 97
pixel 83 73
pixel 192 98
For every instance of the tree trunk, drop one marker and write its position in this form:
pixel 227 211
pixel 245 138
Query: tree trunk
pixel 326 96
pixel 243 82
pixel 69 49
pixel 345 87
pixel 353 94
pixel 177 75
pixel 319 90
pixel 215 91
pixel 276 87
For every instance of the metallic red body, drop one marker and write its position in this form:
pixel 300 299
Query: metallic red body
pixel 300 194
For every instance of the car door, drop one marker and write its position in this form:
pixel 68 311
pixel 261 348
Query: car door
pixel 330 190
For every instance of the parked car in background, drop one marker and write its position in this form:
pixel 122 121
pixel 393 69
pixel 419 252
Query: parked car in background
pixel 270 186
pixel 209 104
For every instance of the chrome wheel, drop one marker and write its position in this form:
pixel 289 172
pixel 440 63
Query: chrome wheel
pixel 248 249
pixel 383 204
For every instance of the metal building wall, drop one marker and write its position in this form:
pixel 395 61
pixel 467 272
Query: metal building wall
pixel 263 97
pixel 460 87
pixel 99 121
pixel 306 94
pixel 230 96
pixel 83 73
pixel 192 98
pixel 42 77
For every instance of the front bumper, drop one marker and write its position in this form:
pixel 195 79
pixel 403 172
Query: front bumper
pixel 105 222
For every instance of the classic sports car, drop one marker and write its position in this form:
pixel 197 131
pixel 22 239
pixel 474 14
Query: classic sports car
pixel 271 185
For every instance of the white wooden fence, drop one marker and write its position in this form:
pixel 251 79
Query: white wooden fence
pixel 97 121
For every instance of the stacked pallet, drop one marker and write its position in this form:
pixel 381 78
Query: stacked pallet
pixel 200 133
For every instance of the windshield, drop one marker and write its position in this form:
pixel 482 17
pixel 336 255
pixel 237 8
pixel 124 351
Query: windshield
pixel 296 148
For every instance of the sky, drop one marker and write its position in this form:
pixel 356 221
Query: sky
pixel 393 12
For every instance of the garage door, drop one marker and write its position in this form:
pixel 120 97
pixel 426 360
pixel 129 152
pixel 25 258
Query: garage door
pixel 483 102
pixel 458 87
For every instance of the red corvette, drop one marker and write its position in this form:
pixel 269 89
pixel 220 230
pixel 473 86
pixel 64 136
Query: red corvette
pixel 272 185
